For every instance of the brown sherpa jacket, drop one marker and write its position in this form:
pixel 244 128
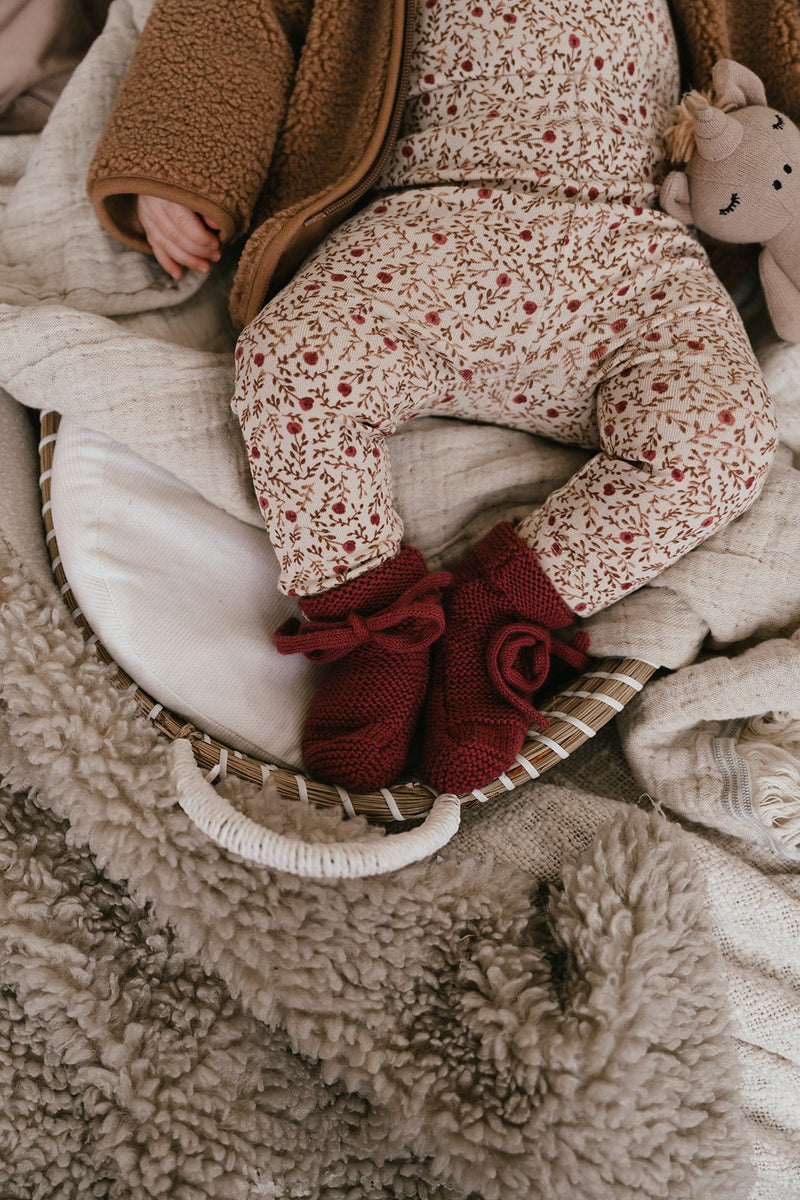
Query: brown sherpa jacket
pixel 274 117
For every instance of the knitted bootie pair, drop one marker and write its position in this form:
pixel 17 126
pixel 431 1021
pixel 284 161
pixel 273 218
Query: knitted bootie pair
pixel 491 622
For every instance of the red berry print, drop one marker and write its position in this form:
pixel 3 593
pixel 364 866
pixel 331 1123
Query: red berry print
pixel 340 568
pixel 599 63
pixel 570 191
pixel 530 306
pixel 467 64
pixel 255 452
pixel 358 318
pixel 390 343
pixel 337 276
pixel 356 251
pixel 620 324
pixel 631 68
pixel 338 507
pixel 708 521
pixel 580 607
pixel 433 318
pixel 551 413
pixel 379 208
pixel 452 109
pixel 477 12
pixel 374 519
pixel 726 417
pixel 526 235
pixel 311 357
pixel 344 389
pixel 385 276
pixel 655 336
pixel 349 547
pixel 484 193
pixel 620 406
pixel 658 295
pixel 677 474
pixel 290 516
pixel 509 18
pixel 649 455
pixel 574 41
pixel 609 489
pixel 466 374
pixel 263 501
pixel 312 287
pixel 306 403
pixel 627 537
pixel 429 78
pixel 556 548
pixel 440 239
pixel 258 359
pixel 520 399
pixel 608 430
pixel 748 483
pixel 294 427
pixel 503 280
pixel 598 352
pixel 350 451
pixel 696 345
pixel 407 151
pixel 660 387
pixel 573 305
pixel 548 136
pixel 623 291
pixel 238 353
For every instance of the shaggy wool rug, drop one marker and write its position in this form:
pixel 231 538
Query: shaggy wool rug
pixel 177 1022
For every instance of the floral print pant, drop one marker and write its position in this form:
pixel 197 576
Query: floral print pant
pixel 513 269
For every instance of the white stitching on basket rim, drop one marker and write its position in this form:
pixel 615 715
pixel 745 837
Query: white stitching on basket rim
pixel 562 716
pixel 627 679
pixel 347 803
pixel 391 804
pixel 536 736
pixel 617 705
pixel 528 766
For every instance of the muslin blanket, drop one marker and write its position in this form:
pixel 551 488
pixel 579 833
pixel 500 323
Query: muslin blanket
pixel 545 1009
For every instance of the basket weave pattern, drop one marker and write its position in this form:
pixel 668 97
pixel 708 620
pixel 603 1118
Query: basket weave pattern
pixel 587 704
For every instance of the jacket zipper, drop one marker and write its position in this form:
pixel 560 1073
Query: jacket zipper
pixel 394 126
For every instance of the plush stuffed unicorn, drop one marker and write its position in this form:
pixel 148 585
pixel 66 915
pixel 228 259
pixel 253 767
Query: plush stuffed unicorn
pixel 741 181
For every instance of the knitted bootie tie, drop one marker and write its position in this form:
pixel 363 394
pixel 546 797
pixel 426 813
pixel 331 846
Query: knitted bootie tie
pixel 376 632
pixel 495 654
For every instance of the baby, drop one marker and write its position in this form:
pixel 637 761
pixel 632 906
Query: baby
pixel 512 268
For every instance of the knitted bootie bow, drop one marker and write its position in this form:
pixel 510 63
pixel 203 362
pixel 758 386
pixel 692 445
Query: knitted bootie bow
pixel 506 654
pixel 498 649
pixel 414 619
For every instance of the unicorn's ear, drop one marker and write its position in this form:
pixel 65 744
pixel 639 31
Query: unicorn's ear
pixel 674 197
pixel 736 85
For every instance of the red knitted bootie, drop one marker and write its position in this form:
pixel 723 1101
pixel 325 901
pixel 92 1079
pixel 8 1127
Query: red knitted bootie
pixel 495 654
pixel 376 630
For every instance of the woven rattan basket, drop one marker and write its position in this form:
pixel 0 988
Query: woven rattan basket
pixel 587 704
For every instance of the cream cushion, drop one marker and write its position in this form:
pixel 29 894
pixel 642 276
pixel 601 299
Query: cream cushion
pixel 183 596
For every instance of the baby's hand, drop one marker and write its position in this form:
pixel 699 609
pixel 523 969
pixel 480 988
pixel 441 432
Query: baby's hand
pixel 177 235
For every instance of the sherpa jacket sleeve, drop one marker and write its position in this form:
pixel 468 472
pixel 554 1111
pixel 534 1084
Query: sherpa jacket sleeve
pixel 198 113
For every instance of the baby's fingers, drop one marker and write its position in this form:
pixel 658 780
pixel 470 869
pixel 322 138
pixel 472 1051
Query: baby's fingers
pixel 172 256
pixel 186 229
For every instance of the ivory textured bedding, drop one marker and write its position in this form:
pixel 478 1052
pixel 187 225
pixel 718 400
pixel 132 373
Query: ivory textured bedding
pixel 544 1009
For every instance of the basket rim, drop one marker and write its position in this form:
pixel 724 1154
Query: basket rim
pixel 576 713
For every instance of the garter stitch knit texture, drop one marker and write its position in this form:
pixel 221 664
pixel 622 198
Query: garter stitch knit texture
pixel 501 606
pixel 359 726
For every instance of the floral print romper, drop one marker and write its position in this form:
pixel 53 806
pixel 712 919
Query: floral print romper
pixel 513 268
